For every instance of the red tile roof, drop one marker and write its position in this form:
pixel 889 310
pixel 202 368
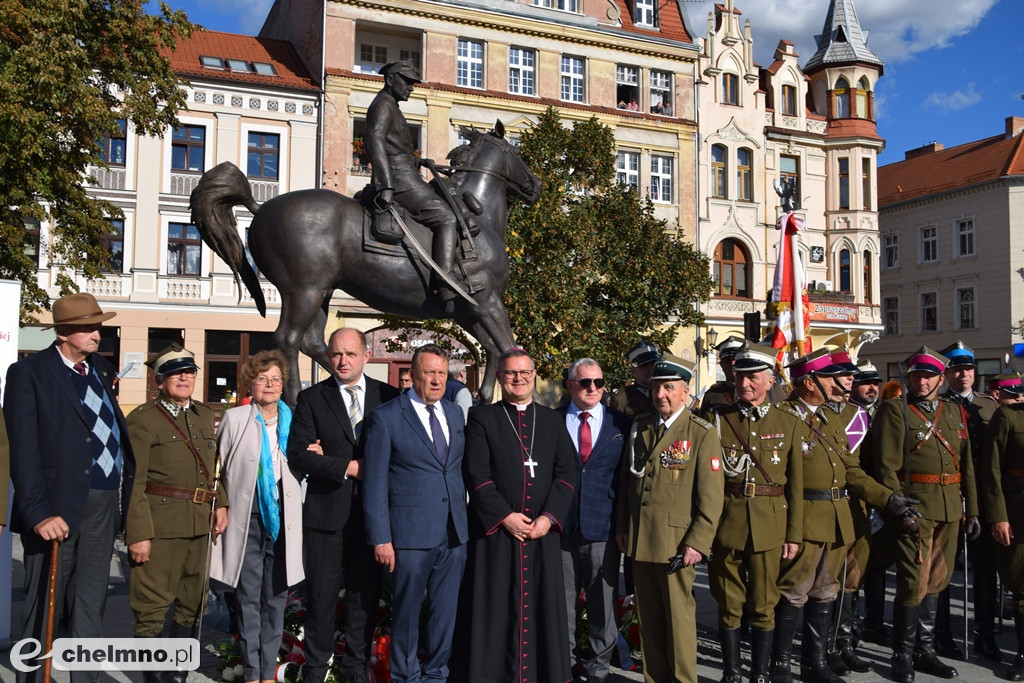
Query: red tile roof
pixel 291 73
pixel 949 169
pixel 670 22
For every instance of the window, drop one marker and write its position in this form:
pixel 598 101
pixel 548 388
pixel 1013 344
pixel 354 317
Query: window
pixel 842 99
pixel 661 93
pixel 744 179
pixel 114 147
pixel 861 94
pixel 628 169
pixel 661 178
pixel 844 183
pixel 226 353
pixel 892 251
pixel 412 55
pixel 929 312
pixel 868 259
pixel 730 89
pixel 627 87
pixel 966 309
pixel 644 15
pixel 113 245
pixel 844 271
pixel 865 183
pixel 211 62
pixel 31 241
pixel 520 70
pixel 965 237
pixel 470 62
pixel 239 65
pixel 565 5
pixel 789 100
pixel 188 149
pixel 730 273
pixel 572 79
pixel 789 167
pixel 372 57
pixel 929 244
pixel 264 69
pixel 891 314
pixel 719 170
pixel 184 249
pixel 263 154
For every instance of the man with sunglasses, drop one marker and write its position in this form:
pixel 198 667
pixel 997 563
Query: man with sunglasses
pixel 590 558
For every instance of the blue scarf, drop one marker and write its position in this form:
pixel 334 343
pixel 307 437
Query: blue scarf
pixel 266 482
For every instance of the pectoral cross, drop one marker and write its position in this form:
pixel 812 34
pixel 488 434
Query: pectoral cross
pixel 532 464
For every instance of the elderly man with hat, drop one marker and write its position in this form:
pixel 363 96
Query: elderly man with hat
pixel 921 447
pixel 670 502
pixel 634 399
pixel 831 471
pixel 169 523
pixel 723 392
pixel 762 521
pixel 72 467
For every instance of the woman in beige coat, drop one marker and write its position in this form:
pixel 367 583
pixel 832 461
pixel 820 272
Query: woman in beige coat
pixel 260 553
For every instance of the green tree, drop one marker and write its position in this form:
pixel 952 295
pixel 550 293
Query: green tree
pixel 69 69
pixel 593 270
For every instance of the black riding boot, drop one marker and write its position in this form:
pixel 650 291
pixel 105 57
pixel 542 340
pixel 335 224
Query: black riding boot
pixel 925 659
pixel 874 630
pixel 178 631
pixel 729 638
pixel 985 617
pixel 944 643
pixel 844 658
pixel 1016 671
pixel 782 642
pixel 817 622
pixel 152 676
pixel 760 654
pixel 904 633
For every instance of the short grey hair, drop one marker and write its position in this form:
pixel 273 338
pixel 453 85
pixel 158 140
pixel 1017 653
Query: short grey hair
pixel 456 367
pixel 582 363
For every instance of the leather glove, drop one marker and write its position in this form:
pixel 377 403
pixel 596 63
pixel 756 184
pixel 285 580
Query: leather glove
pixel 972 527
pixel 899 507
pixel 675 563
pixel 908 526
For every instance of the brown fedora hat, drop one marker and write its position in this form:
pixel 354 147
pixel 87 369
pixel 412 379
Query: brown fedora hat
pixel 78 309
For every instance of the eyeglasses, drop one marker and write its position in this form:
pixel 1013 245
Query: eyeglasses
pixel 586 382
pixel 269 381
pixel 188 372
pixel 512 374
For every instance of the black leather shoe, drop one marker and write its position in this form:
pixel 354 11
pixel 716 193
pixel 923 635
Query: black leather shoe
pixel 945 647
pixel 1016 670
pixel 985 646
pixel 928 663
pixel 925 659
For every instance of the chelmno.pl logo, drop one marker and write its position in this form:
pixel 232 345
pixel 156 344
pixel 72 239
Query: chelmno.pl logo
pixel 106 654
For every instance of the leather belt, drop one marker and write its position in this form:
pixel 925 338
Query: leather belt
pixel 750 489
pixel 944 479
pixel 1015 472
pixel 197 496
pixel 834 493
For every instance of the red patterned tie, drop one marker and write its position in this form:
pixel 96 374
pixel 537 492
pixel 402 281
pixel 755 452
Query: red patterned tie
pixel 586 442
pixel 80 369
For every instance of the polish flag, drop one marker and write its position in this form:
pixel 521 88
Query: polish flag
pixel 789 295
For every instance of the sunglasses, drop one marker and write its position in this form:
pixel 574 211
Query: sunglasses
pixel 588 381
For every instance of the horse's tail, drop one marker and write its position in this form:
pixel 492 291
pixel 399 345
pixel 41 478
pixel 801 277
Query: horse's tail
pixel 212 202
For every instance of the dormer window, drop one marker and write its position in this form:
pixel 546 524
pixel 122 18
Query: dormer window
pixel 644 14
pixel 789 100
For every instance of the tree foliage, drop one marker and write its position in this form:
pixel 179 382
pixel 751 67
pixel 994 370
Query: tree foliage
pixel 69 69
pixel 593 270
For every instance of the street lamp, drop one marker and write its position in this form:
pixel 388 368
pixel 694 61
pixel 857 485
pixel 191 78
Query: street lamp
pixel 704 346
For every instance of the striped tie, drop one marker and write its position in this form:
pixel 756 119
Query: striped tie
pixel 355 411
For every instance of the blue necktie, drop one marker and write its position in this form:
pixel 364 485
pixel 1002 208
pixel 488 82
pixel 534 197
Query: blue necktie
pixel 440 443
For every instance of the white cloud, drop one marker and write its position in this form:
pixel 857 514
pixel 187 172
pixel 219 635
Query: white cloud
pixel 898 29
pixel 954 101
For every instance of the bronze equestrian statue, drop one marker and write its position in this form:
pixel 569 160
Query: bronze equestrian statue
pixel 309 243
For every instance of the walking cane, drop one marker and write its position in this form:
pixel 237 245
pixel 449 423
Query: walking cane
pixel 51 607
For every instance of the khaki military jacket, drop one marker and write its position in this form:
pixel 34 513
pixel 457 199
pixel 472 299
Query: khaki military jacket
pixel 892 437
pixel 163 458
pixel 1001 473
pixel 980 410
pixel 718 394
pixel 775 439
pixel 664 508
pixel 633 400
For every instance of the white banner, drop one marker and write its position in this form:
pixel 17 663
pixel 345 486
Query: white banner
pixel 10 305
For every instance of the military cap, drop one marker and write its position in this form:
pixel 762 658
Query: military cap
pixel 174 358
pixel 959 355
pixel 403 68
pixel 926 360
pixel 1010 382
pixel 643 353
pixel 670 367
pixel 817 362
pixel 841 357
pixel 866 373
pixel 728 348
pixel 754 357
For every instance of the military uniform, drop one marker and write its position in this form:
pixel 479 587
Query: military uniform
pixel 633 400
pixel 718 394
pixel 170 505
pixel 672 488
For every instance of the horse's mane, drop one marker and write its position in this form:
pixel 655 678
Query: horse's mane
pixel 467 153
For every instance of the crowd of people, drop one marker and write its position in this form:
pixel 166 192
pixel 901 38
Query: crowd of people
pixel 491 524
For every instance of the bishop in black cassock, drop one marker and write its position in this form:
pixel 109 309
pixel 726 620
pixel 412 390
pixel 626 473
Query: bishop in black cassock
pixel 518 468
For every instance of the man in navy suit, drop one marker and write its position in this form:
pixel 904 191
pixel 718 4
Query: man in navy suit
pixel 590 558
pixel 415 503
pixel 72 468
pixel 323 444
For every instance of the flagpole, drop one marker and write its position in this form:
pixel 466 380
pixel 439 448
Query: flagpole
pixel 798 293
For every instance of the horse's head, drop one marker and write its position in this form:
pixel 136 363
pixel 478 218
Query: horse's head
pixel 489 152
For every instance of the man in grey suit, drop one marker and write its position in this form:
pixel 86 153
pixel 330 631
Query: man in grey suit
pixel 415 503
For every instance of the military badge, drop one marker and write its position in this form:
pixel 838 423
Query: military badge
pixel 676 457
pixel 716 464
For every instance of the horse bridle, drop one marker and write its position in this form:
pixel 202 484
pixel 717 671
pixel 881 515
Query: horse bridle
pixel 505 177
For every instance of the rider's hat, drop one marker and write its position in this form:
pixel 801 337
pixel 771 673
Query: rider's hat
pixel 404 68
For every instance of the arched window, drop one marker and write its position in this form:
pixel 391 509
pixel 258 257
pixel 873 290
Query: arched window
pixel 844 270
pixel 789 100
pixel 744 179
pixel 730 89
pixel 863 88
pixel 867 276
pixel 732 269
pixel 842 99
pixel 719 171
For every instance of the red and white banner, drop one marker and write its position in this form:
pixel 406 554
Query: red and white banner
pixel 789 295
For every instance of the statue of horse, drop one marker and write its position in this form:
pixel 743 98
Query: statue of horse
pixel 309 243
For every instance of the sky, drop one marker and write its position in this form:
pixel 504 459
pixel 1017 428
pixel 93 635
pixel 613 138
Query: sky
pixel 953 68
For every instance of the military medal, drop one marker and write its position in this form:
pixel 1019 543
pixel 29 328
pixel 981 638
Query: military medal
pixel 775 456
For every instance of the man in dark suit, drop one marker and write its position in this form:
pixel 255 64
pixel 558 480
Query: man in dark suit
pixel 323 444
pixel 415 503
pixel 72 467
pixel 590 558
